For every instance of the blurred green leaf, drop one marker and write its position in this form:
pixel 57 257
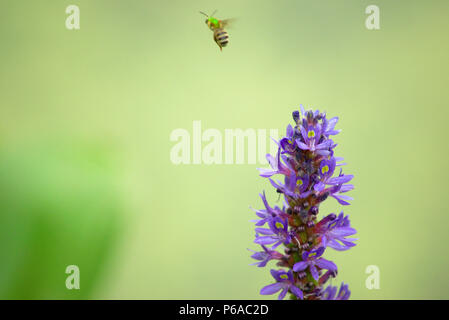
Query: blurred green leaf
pixel 58 207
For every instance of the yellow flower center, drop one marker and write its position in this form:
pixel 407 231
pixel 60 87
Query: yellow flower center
pixel 279 225
pixel 325 169
pixel 283 276
pixel 311 134
pixel 299 182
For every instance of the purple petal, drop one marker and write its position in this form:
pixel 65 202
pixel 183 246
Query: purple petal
pixel 314 272
pixel 340 180
pixel 326 264
pixel 274 184
pixel 346 188
pixel 258 255
pixel 305 194
pixel 277 244
pixel 324 241
pixel 265 172
pixel 302 145
pixel 272 161
pixel 264 231
pixel 324 145
pixel 265 240
pixel 336 245
pixel 263 263
pixel 282 294
pixel 342 196
pixel 297 292
pixel 275 141
pixel 319 186
pixel 343 231
pixel 323 152
pixel 289 131
pixel 264 199
pixel 304 134
pixel 271 288
pixel 319 252
pixel 329 293
pixel 300 266
pixel 349 241
pixel 340 201
pixel 331 124
pixel 262 214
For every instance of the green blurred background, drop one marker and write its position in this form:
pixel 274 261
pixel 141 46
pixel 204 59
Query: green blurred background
pixel 86 115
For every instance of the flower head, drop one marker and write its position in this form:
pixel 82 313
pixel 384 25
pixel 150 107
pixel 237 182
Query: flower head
pixel 277 166
pixel 268 213
pixel 265 256
pixel 277 233
pixel 334 233
pixel 312 260
pixel 288 143
pixel 310 140
pixel 330 293
pixel 306 164
pixel 284 282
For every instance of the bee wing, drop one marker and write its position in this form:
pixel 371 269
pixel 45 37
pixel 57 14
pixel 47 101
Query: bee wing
pixel 227 22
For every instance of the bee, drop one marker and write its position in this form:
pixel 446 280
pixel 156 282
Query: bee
pixel 221 36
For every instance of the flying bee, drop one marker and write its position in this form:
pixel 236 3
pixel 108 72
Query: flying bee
pixel 221 36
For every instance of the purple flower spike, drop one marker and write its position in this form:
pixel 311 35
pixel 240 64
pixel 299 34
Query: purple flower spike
pixel 306 166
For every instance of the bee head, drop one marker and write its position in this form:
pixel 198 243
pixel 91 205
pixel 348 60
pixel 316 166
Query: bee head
pixel 213 21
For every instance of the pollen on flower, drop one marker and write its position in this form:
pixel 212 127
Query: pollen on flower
pixel 306 159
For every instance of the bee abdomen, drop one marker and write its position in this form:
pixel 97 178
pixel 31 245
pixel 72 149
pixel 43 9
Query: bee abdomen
pixel 221 37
